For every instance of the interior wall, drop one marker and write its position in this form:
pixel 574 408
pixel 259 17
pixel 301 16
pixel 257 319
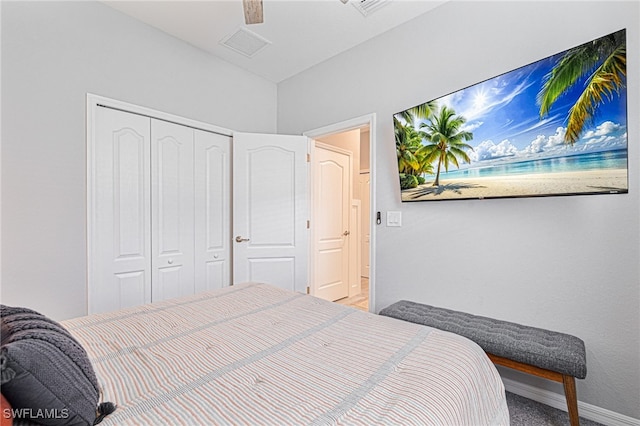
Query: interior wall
pixel 365 147
pixel 563 263
pixel 53 54
pixel 0 158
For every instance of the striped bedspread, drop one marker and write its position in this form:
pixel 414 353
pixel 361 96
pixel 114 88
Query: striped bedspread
pixel 254 354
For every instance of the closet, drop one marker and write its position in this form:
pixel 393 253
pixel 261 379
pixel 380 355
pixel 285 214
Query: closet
pixel 160 209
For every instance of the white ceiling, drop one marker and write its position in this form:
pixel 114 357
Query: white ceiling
pixel 302 33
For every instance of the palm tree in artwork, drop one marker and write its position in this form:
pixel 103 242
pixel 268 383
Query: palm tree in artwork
pixel 420 112
pixel 409 140
pixel 445 140
pixel 604 64
pixel 407 143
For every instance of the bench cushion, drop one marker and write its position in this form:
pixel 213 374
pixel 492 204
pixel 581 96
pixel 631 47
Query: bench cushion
pixel 546 349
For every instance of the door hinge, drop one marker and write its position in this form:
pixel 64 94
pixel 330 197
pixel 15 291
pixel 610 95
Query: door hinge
pixel 308 224
pixel 308 158
pixel 308 290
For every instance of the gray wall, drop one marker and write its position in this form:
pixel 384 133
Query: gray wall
pixel 563 263
pixel 53 53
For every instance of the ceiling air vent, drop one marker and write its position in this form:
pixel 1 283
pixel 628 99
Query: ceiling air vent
pixel 245 42
pixel 367 7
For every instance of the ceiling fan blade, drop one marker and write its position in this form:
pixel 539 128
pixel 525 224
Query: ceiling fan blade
pixel 252 11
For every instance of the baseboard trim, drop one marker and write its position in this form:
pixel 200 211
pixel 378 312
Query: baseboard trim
pixel 588 411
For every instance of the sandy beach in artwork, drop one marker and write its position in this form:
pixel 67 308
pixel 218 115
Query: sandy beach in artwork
pixel 614 181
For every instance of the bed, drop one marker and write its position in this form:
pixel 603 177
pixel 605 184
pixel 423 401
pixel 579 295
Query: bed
pixel 255 354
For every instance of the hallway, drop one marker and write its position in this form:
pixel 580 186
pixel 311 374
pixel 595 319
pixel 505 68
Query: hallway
pixel 360 301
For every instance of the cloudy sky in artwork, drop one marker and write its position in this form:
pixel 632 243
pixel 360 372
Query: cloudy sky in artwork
pixel 504 117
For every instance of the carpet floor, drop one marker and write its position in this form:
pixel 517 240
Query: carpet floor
pixel 526 412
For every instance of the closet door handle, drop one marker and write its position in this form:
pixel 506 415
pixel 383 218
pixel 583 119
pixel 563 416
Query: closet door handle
pixel 239 239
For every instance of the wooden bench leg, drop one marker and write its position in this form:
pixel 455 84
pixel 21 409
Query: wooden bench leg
pixel 569 383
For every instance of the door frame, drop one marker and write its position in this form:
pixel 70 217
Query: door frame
pixel 368 120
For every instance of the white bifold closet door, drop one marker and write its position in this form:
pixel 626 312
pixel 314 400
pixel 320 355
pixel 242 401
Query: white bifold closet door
pixel 120 256
pixel 161 202
pixel 212 215
pixel 172 207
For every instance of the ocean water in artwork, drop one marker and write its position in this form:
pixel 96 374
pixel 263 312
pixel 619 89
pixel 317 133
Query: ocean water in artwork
pixel 615 159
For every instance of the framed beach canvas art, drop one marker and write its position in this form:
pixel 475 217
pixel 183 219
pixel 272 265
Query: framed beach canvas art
pixel 557 126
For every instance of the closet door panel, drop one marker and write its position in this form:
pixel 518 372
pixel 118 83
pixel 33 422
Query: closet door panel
pixel 212 210
pixel 120 227
pixel 172 210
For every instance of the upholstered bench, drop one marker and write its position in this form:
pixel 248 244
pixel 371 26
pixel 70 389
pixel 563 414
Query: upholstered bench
pixel 555 356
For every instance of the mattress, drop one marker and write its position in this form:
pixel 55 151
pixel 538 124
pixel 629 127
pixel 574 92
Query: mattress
pixel 255 354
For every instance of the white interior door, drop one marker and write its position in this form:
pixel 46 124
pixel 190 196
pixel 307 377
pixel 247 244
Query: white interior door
pixel 270 210
pixel 332 209
pixel 172 210
pixel 212 210
pixel 120 252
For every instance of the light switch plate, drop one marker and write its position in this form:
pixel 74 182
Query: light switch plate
pixel 394 218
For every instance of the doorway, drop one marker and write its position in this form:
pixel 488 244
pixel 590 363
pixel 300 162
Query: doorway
pixel 354 136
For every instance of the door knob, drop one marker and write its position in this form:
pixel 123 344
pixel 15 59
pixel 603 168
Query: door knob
pixel 345 233
pixel 239 239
